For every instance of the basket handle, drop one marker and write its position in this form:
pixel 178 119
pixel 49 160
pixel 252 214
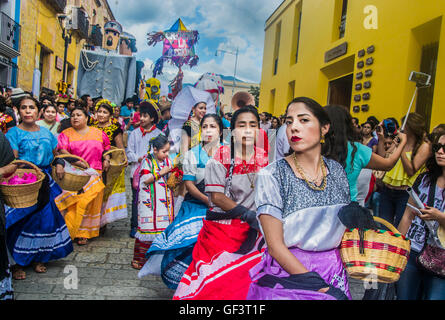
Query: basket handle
pixel 386 224
pixel 72 156
pixel 113 149
pixel 32 165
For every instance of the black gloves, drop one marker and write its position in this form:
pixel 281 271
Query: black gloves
pixel 246 215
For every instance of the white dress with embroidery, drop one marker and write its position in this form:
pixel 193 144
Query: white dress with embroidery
pixel 155 201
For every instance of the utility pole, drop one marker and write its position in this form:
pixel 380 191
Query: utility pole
pixel 67 38
pixel 236 63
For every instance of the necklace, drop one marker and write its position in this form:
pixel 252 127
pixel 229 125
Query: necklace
pixel 251 180
pixel 312 184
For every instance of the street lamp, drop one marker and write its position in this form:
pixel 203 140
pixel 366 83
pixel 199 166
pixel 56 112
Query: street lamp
pixel 67 37
pixel 236 62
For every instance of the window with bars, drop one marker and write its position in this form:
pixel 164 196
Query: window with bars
pixel 277 48
pixel 342 26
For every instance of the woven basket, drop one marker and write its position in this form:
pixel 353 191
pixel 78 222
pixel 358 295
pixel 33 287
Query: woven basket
pixel 22 195
pixel 385 253
pixel 118 162
pixel 71 182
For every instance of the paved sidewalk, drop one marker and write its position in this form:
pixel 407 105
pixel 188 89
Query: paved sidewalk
pixel 103 268
pixel 104 272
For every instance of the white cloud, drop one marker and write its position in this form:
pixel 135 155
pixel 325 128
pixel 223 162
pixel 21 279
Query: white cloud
pixel 239 24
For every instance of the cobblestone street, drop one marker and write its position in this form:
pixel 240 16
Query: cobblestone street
pixel 104 272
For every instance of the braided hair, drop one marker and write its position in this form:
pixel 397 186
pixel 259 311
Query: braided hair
pixel 245 109
pixel 156 143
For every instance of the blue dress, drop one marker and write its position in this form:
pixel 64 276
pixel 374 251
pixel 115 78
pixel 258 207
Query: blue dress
pixel 37 233
pixel 171 252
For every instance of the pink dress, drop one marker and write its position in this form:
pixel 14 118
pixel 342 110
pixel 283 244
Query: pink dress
pixel 89 146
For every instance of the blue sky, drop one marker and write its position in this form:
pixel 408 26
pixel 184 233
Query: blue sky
pixel 221 24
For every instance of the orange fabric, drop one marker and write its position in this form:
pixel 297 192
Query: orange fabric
pixel 73 135
pixel 82 212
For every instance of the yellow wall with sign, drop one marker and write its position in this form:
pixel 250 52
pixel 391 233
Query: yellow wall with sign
pixel 41 31
pixel 402 28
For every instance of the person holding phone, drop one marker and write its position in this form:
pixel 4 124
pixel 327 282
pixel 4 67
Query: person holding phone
pixel 415 284
pixel 352 155
pixel 416 151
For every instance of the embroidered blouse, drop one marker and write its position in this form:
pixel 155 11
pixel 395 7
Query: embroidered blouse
pixel 309 217
pixel 89 146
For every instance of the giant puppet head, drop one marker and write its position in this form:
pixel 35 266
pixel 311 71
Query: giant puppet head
pixel 112 30
pixel 212 83
pixel 127 45
pixel 152 89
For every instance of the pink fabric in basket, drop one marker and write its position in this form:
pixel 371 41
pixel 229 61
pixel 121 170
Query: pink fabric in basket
pixel 27 178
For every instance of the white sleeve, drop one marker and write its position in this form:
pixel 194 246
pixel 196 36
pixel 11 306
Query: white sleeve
pixel 267 193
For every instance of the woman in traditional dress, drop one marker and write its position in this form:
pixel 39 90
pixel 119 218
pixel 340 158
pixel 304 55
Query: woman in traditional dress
pixel 82 211
pixel 114 205
pixel 192 128
pixel 228 244
pixel 171 252
pixel 155 201
pixel 6 169
pixel 49 119
pixel 36 234
pixel 298 199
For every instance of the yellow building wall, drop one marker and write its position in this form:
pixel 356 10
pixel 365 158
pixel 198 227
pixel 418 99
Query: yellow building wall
pixel 401 31
pixel 40 27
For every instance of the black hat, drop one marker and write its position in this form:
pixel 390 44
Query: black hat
pixel 151 108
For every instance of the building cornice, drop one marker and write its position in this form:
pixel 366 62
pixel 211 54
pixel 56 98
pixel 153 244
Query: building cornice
pixel 109 10
pixel 269 23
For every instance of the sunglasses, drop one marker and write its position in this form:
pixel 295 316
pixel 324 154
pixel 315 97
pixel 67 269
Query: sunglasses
pixel 437 146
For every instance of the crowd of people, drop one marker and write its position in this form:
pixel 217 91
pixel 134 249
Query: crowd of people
pixel 253 214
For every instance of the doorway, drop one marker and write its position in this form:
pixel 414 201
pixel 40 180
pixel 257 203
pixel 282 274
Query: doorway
pixel 45 55
pixel 340 91
pixel 428 65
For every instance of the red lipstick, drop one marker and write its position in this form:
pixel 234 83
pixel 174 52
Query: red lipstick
pixel 295 139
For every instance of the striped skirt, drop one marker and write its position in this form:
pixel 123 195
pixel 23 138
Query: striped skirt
pixel 114 205
pixel 38 233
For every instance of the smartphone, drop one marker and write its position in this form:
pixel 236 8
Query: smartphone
pixel 414 208
pixel 421 79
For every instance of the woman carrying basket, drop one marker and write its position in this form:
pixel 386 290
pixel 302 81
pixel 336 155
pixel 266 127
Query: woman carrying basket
pixel 82 211
pixel 6 169
pixel 114 205
pixel 298 200
pixel 36 234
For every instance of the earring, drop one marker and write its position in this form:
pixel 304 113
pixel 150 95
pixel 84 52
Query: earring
pixel 322 141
